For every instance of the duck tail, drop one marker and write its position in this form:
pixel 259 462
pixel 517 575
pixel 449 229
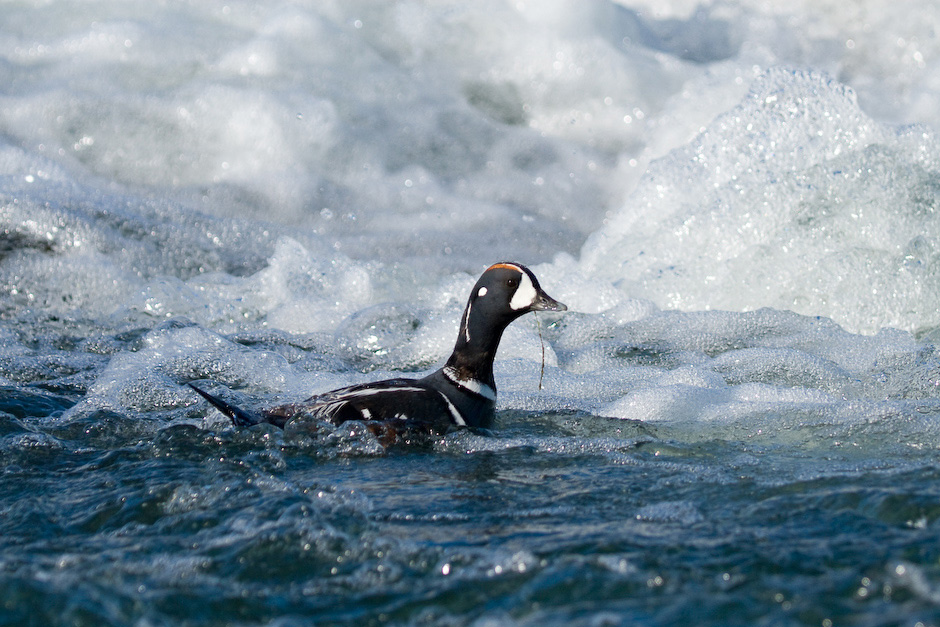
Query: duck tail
pixel 240 417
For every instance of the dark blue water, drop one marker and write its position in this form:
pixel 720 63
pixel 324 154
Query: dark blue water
pixel 552 519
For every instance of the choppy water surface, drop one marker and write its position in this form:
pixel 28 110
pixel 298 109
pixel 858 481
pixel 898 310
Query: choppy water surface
pixel 586 522
pixel 739 416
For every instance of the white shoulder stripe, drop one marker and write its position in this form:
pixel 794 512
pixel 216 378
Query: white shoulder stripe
pixel 458 419
pixel 471 385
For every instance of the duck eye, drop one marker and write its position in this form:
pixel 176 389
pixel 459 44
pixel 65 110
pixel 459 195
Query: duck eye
pixel 512 282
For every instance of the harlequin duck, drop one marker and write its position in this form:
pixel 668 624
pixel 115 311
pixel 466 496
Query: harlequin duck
pixel 462 393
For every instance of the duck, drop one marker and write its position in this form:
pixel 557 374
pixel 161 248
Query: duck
pixel 461 393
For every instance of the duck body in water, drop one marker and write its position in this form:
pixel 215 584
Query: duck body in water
pixel 460 394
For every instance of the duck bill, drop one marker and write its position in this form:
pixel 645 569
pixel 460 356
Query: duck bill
pixel 544 302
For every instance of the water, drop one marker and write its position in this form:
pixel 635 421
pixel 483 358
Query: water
pixel 739 415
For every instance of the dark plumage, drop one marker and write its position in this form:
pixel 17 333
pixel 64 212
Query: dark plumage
pixel 461 393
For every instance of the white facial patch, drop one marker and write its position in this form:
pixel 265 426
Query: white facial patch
pixel 482 292
pixel 525 294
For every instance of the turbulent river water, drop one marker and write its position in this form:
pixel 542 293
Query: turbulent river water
pixel 739 414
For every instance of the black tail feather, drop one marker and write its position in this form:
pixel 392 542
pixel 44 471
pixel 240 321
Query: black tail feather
pixel 240 417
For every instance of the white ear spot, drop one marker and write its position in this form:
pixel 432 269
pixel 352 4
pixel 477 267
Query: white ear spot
pixel 525 294
pixel 482 292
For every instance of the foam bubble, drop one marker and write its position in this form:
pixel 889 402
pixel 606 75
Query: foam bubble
pixel 680 512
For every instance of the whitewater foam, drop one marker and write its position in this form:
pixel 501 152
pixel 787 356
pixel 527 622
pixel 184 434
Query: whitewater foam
pixel 795 200
pixel 329 207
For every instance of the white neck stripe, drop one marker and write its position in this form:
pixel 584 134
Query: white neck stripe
pixel 466 322
pixel 471 385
